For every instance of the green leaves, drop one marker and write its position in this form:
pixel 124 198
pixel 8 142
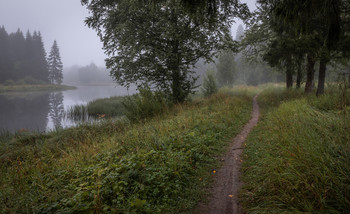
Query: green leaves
pixel 209 86
pixel 158 43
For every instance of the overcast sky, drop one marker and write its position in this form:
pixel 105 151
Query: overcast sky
pixel 62 20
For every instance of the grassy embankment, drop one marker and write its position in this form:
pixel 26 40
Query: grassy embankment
pixel 297 160
pixel 33 87
pixel 160 165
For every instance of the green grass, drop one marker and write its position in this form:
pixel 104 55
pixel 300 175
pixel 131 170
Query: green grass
pixel 101 108
pixel 159 165
pixel 31 87
pixel 108 107
pixel 297 159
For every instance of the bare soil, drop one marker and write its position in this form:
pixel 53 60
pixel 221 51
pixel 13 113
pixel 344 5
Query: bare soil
pixel 224 192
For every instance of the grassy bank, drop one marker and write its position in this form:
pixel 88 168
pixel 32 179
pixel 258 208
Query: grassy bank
pixel 298 157
pixel 158 166
pixel 30 87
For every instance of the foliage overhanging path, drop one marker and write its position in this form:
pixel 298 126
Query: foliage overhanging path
pixel 224 193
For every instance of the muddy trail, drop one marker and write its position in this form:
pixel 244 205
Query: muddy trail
pixel 224 192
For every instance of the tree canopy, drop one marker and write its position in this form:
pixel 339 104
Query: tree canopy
pixel 158 43
pixel 287 33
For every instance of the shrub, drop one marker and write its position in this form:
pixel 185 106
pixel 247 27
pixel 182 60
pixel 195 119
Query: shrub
pixel 145 104
pixel 209 86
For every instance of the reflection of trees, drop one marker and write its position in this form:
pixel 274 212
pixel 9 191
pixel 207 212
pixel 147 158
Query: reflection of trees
pixel 24 111
pixel 56 109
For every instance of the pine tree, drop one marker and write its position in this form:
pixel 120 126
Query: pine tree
pixel 17 44
pixel 5 57
pixel 40 64
pixel 55 65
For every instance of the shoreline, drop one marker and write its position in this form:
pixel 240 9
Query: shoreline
pixel 33 88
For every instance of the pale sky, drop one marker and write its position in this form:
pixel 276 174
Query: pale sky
pixel 62 20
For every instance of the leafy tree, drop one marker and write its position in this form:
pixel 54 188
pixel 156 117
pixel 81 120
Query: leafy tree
pixel 209 86
pixel 319 22
pixel 55 64
pixel 157 43
pixel 226 68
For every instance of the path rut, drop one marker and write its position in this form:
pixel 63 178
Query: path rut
pixel 224 193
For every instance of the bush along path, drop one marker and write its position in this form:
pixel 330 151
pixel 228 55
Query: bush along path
pixel 224 193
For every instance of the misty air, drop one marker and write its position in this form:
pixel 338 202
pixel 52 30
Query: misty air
pixel 174 106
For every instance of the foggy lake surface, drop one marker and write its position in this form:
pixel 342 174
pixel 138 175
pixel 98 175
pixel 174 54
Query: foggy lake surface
pixel 41 111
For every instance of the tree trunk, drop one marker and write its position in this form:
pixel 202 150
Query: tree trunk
pixel 321 77
pixel 310 72
pixel 176 86
pixel 289 78
pixel 349 80
pixel 299 75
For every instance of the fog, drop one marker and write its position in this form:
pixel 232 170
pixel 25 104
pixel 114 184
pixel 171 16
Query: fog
pixel 62 20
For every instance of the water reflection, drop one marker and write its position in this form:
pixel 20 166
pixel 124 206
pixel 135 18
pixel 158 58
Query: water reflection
pixel 24 111
pixel 56 109
pixel 43 111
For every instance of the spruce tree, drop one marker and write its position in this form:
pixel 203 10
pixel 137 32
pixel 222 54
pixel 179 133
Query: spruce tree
pixel 55 65
pixel 17 44
pixel 40 65
pixel 5 57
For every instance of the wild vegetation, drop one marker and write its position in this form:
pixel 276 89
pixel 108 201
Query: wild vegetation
pixel 161 156
pixel 160 165
pixel 297 158
pixel 97 109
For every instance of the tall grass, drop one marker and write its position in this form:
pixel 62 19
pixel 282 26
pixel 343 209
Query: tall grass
pixel 78 113
pixel 108 107
pixel 159 166
pixel 97 109
pixel 298 157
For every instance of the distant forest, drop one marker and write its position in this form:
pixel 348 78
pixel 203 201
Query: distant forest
pixel 90 74
pixel 22 58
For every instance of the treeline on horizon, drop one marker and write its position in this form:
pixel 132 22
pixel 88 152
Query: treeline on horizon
pixel 89 74
pixel 22 57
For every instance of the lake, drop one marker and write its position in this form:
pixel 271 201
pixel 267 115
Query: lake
pixel 43 111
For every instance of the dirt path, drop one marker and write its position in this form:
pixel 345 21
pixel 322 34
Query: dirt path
pixel 223 199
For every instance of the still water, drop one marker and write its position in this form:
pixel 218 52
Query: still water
pixel 43 111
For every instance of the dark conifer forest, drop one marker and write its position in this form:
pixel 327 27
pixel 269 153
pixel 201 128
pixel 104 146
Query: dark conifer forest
pixel 22 58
